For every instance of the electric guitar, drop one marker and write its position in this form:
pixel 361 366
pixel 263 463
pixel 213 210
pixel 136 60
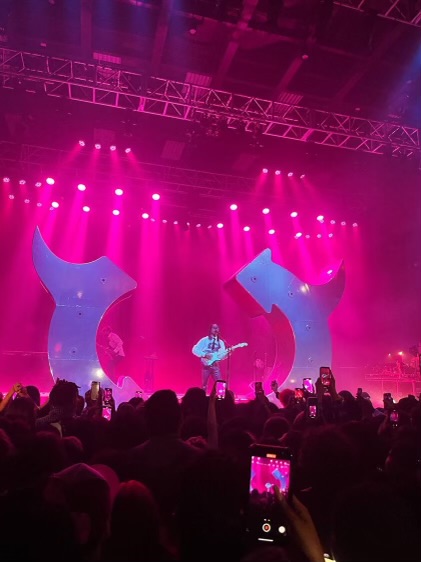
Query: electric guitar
pixel 215 356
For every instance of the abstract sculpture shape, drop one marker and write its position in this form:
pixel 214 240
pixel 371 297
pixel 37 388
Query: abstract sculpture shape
pixel 265 287
pixel 82 294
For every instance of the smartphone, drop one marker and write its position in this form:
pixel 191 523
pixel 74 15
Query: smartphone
pixel 108 394
pixel 308 386
pixel 394 417
pixel 221 389
pixel 258 387
pixel 325 377
pixel 94 390
pixel 106 412
pixel 312 407
pixel 359 391
pixel 269 466
pixel 299 394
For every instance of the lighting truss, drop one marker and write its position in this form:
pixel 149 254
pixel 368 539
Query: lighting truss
pixel 397 10
pixel 114 87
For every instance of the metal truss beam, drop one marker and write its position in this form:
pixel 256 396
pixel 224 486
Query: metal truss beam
pixel 396 10
pixel 104 84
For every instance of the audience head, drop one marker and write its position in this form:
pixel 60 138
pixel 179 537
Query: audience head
pixel 162 413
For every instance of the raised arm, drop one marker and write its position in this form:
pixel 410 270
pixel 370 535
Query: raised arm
pixel 15 388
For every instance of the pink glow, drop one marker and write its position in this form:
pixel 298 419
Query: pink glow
pixel 290 174
pixel 294 214
pixel 113 147
pixel 307 236
pixel 198 225
pixel 175 222
pixel 81 187
pixel 119 191
pixel 277 172
pixel 81 143
pixel 50 181
pixel 302 176
pixel 22 182
pixel 246 229
pixel 6 180
pixel 38 184
pixel 145 215
pixel 86 209
pixel 329 271
pixel 332 221
pixel 219 225
pixel 55 205
pixel 234 207
pixel 354 224
pixel 343 223
pixel 298 235
pixel 11 196
pixel 116 212
pixel 320 218
pixel 164 221
pixel 97 146
pixel 39 204
pixel 330 234
pixel 271 231
pixel 128 150
pixel 209 226
pixel 156 197
pixel 265 171
pixel 26 201
pixel 319 236
pixel 265 211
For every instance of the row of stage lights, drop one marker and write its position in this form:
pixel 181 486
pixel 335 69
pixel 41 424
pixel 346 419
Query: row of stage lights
pixel 279 172
pixel 112 147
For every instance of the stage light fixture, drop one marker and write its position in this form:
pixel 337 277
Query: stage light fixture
pixel 271 231
pixel 22 182
pixel 175 222
pixel 307 236
pixel 233 207
pixel 246 229
pixel 26 201
pixel 39 204
pixel 277 172
pixel 330 234
pixel 302 176
pixel 119 191
pixel 116 212
pixel 343 223
pixel 298 235
pixel 198 225
pixel 329 271
pixel 55 205
pixel 38 184
pixel 97 146
pixel 332 221
pixel 265 211
pixel 156 197
pixel 81 187
pixel 50 181
pixel 113 147
pixel 145 216
pixel 320 218
pixel 290 174
pixel 354 224
pixel 265 171
pixel 86 209
pixel 164 221
pixel 82 143
pixel 11 196
pixel 6 179
pixel 127 150
pixel 220 225
pixel 319 236
pixel 294 214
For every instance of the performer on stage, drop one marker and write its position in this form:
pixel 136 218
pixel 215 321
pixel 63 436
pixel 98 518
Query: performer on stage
pixel 113 346
pixel 210 349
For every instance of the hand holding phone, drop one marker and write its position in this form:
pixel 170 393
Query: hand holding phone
pixel 312 407
pixel 258 388
pixel 95 390
pixel 308 386
pixel 325 374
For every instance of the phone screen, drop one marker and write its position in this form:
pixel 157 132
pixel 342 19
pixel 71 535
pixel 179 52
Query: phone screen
pixel 221 387
pixel 394 416
pixel 308 386
pixel 312 407
pixel 258 387
pixel 299 394
pixel 94 390
pixel 106 412
pixel 269 466
pixel 108 394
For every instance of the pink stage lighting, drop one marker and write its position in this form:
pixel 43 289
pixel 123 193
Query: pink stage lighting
pixel 128 150
pixel 38 184
pixel 319 236
pixel 55 205
pixel 332 221
pixel 265 171
pixel 271 231
pixel 145 215
pixel 219 225
pixel 6 180
pixel 39 204
pixel 307 236
pixel 198 225
pixel 354 224
pixel 50 181
pixel 320 218
pixel 265 211
pixel 175 222
pixel 298 235
pixel 97 146
pixel 116 212
pixel 290 174
pixel 119 191
pixel 86 209
pixel 329 271
pixel 343 223
pixel 22 182
pixel 26 201
pixel 302 176
pixel 81 187
pixel 11 196
pixel 294 214
pixel 113 147
pixel 277 172
pixel 233 207
pixel 330 234
pixel 246 229
pixel 164 221
pixel 156 197
pixel 81 143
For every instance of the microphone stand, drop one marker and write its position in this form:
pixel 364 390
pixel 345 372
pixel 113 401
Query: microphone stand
pixel 228 377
